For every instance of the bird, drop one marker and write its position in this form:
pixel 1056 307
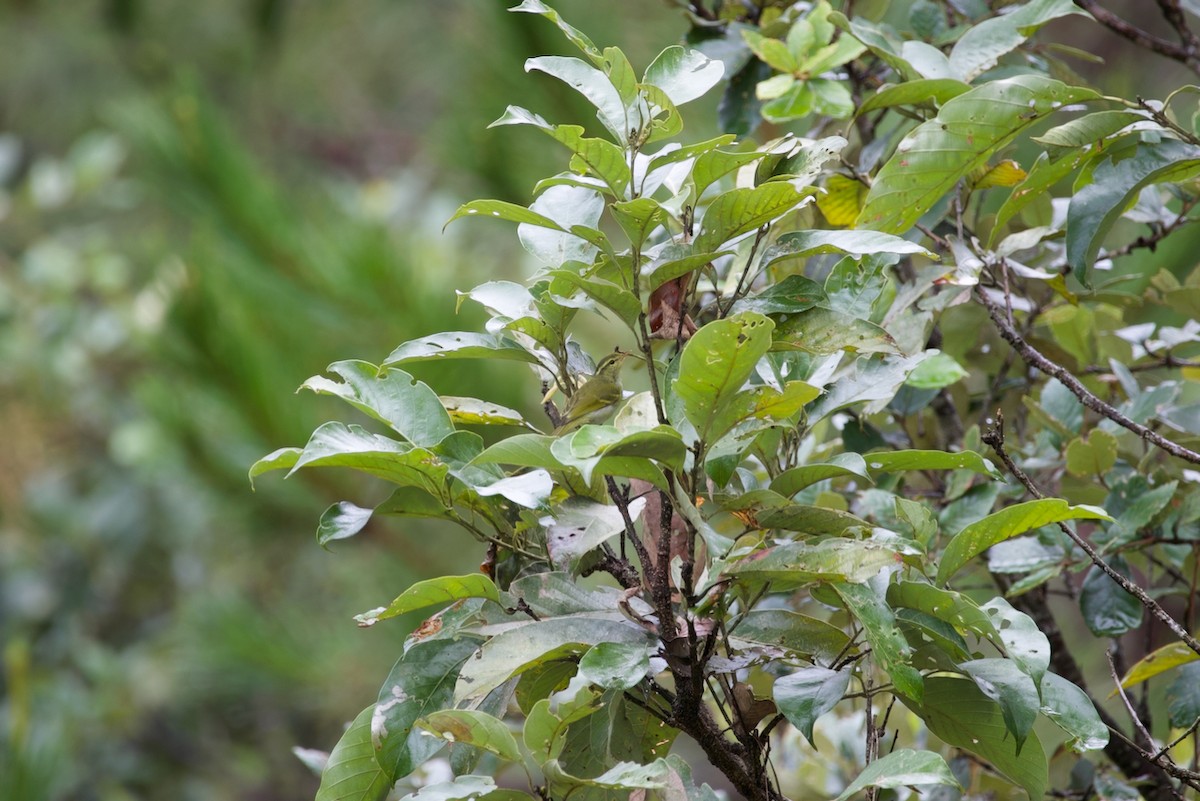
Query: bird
pixel 597 397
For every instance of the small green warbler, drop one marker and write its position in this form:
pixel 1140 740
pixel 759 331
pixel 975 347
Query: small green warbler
pixel 597 397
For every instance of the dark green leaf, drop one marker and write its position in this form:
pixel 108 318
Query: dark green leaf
pixel 960 715
pixel 1073 711
pixel 421 682
pixel 1005 683
pixel 805 695
pixel 793 632
pixel 1095 207
pixel 789 482
pixel 1107 609
pixel 888 647
pixel 352 772
pixel 1183 697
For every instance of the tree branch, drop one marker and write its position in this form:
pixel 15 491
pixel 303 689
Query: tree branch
pixel 1140 37
pixel 994 437
pixel 1035 359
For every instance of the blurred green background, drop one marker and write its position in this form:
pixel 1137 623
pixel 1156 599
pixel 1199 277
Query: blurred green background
pixel 201 205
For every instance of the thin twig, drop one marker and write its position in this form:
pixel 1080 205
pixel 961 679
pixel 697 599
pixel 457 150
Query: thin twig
pixel 994 437
pixel 1142 38
pixel 1035 359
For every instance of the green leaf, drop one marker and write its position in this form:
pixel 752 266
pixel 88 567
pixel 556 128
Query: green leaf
pixel 1096 207
pixel 443 590
pixel 421 682
pixel 683 75
pixel 352 772
pixel 639 217
pixel 812 520
pixel 466 788
pixel 1092 457
pixel 1183 697
pixel 615 665
pixel 580 525
pixel 1006 524
pixel 902 768
pixel 1159 661
pixel 459 345
pixel 474 728
pixel 1023 641
pixel 796 563
pixel 473 411
pixel 339 445
pixel 282 459
pixel 573 35
pixel 1072 710
pixel 963 136
pixel 740 211
pixel 715 364
pixel 622 776
pixel 951 607
pixel 515 650
pixel 980 48
pixel 801 244
pixel 503 210
pixel 789 482
pixel 594 85
pixel 394 397
pixel 792 295
pixel 805 695
pixel 870 381
pixel 343 520
pixel 623 303
pixel 1004 682
pixel 921 92
pixel 936 372
pixel 1107 609
pixel 888 647
pixel 961 716
pixel 1089 129
pixel 674 261
pixel 822 331
pixel 1043 175
pixel 793 632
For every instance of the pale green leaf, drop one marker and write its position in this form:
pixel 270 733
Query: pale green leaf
pixel 963 136
pixel 739 211
pixel 393 397
pixel 459 345
pixel 442 590
pixel 682 74
pixel 475 728
pixel 902 768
